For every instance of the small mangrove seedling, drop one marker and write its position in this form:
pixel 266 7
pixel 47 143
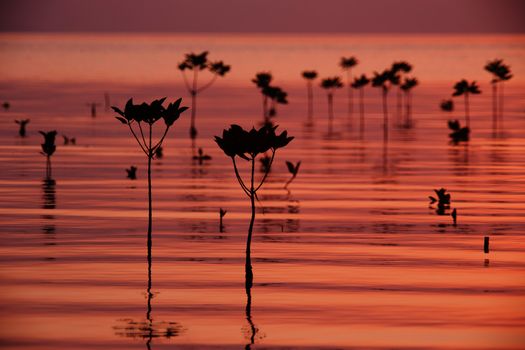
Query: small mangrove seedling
pixel 400 68
pixel 447 105
pixel 6 106
pixel 331 85
pixel 443 201
pixel 262 80
pixel 292 169
pixel 458 133
pixel 346 64
pixel 272 95
pixel 310 76
pixel 465 88
pixel 359 84
pixel 222 213
pixel 22 126
pixel 48 149
pixel 132 172
pixel 407 87
pixel 93 108
pixel 486 240
pixel 454 215
pixel 201 157
pixel 69 140
pixel 198 63
pixel 134 117
pixel 159 153
pixel 500 73
pixel 385 80
pixel 247 145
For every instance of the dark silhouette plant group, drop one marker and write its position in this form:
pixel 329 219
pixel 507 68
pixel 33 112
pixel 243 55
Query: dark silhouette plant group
pixel 346 64
pixel 144 116
pixel 443 201
pixel 385 80
pixel 272 95
pixel 359 84
pixel 500 73
pixel 293 169
pixel 400 69
pixel 406 87
pixel 248 145
pixel 331 85
pixel 463 87
pixel 197 63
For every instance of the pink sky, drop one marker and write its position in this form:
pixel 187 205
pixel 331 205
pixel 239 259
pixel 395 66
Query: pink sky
pixel 370 16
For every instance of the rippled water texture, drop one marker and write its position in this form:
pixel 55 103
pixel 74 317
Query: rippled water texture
pixel 350 257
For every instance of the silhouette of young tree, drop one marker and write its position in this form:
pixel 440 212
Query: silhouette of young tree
pixel 310 76
pixel 198 63
pixel 465 88
pixel 400 68
pixel 262 80
pixel 276 95
pixel 331 85
pixel 503 74
pixel 359 84
pixel 447 105
pixel 247 145
pixel 135 116
pixel 346 64
pixel 385 80
pixel 22 126
pixel 500 73
pixel 48 149
pixel 407 87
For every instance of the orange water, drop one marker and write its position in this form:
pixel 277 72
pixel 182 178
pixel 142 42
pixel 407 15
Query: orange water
pixel 351 257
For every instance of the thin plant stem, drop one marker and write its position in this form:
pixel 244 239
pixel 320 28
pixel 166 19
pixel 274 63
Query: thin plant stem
pixel 310 101
pixel 239 178
pixel 467 116
pixel 248 266
pixel 362 110
pixel 385 115
pixel 267 171
pixel 330 112
pixel 150 211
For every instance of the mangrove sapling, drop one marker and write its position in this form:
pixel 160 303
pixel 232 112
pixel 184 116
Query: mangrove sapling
pixel 400 68
pixel 500 73
pixel 465 88
pixel 407 87
pixel 385 80
pixel 201 157
pixel 359 84
pixel 159 153
pixel 262 80
pixel 135 116
pixel 197 63
pixel 222 213
pixel 310 76
pixel 346 64
pixel 276 96
pixel 93 108
pixel 22 126
pixel 447 105
pixel 247 145
pixel 330 85
pixel 292 169
pixel 48 149
pixel 443 201
pixel 503 74
pixel 132 172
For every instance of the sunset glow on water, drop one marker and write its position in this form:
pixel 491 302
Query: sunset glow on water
pixel 351 257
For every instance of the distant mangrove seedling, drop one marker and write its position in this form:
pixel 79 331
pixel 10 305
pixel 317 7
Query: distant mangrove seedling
pixel 385 80
pixel 310 76
pixel 443 201
pixel 48 149
pixel 292 169
pixel 447 105
pixel 400 68
pixel 132 172
pixel 247 145
pixel 197 63
pixel 272 95
pixel 135 116
pixel 406 87
pixel 346 64
pixel 500 73
pixel 222 213
pixel 359 84
pixel 331 85
pixel 465 88
pixel 22 126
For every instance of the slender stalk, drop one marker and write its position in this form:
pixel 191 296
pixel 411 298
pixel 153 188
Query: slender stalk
pixel 330 111
pixel 248 312
pixel 248 267
pixel 385 115
pixel 494 106
pixel 150 210
pixel 501 95
pixel 350 95
pixel 265 108
pixel 467 116
pixel 399 103
pixel 310 102
pixel 362 110
pixel 193 130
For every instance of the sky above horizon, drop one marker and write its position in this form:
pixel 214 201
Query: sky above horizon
pixel 266 16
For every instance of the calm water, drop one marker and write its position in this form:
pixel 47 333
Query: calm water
pixel 351 257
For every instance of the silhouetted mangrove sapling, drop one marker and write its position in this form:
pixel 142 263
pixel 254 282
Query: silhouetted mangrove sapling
pixel 272 95
pixel 292 169
pixel 500 73
pixel 385 80
pixel 443 200
pixel 406 87
pixel 222 213
pixel 262 80
pixel 346 64
pixel 48 149
pixel 331 85
pixel 22 126
pixel 465 88
pixel 400 68
pixel 132 172
pixel 135 116
pixel 197 63
pixel 247 145
pixel 310 76
pixel 359 84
